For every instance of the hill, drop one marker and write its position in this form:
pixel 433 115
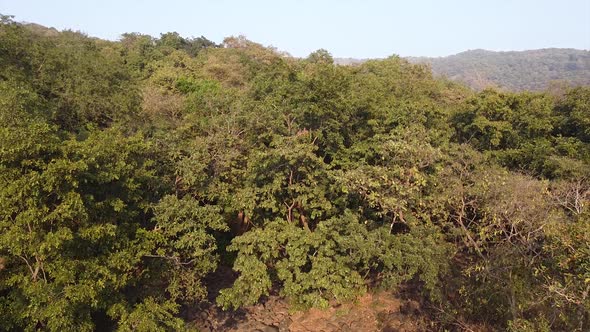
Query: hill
pixel 517 71
pixel 174 184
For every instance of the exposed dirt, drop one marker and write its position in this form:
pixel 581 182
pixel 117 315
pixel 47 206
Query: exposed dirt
pixel 373 312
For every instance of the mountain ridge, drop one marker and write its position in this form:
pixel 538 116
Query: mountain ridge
pixel 533 70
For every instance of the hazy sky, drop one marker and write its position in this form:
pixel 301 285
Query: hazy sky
pixel 346 28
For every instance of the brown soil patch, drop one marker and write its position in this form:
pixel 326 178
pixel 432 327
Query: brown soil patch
pixel 372 312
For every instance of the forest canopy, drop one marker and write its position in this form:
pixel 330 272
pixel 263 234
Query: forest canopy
pixel 132 170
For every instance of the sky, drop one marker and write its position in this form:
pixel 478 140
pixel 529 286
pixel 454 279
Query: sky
pixel 346 28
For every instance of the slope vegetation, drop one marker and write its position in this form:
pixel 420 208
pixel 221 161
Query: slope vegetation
pixel 153 180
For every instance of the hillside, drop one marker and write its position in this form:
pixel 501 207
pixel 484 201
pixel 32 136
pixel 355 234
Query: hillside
pixel 174 184
pixel 516 71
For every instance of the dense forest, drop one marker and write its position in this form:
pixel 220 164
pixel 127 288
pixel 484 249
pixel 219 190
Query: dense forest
pixel 534 70
pixel 131 171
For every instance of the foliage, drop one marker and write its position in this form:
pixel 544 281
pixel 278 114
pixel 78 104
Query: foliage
pixel 132 171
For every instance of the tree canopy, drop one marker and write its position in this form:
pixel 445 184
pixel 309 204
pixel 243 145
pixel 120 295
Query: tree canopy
pixel 130 171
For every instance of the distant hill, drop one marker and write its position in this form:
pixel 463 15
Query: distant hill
pixel 348 61
pixel 524 70
pixel 517 70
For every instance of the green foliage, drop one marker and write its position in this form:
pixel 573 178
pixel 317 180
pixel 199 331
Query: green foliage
pixel 183 238
pixel 333 262
pixel 131 171
pixel 192 46
pixel 148 316
pixel 68 226
pixel 573 114
pixel 540 325
pixel 527 131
